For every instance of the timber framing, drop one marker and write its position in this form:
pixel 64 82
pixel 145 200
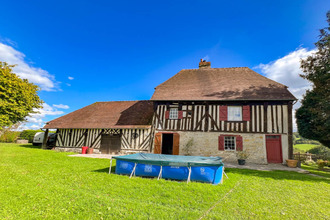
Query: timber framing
pixel 266 117
pixel 131 139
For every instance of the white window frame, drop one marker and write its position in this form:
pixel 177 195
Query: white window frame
pixel 233 138
pixel 174 113
pixel 232 110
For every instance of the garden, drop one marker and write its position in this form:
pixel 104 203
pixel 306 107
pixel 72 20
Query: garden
pixel 38 184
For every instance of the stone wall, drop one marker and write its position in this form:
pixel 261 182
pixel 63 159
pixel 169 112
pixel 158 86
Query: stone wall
pixel 74 149
pixel 206 144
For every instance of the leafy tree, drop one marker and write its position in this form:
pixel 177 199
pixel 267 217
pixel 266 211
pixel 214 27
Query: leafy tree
pixel 313 117
pixel 18 97
pixel 294 139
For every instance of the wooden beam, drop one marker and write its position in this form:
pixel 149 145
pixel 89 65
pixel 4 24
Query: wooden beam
pixel 290 142
pixel 85 137
pixel 265 117
pixel 44 142
pixel 206 127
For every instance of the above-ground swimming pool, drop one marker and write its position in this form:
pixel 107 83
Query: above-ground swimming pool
pixel 190 168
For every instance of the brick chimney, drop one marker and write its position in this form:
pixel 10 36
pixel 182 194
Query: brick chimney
pixel 204 64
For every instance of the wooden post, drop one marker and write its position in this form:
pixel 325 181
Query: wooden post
pixel 207 117
pixel 290 142
pixel 265 117
pixel 85 137
pixel 44 142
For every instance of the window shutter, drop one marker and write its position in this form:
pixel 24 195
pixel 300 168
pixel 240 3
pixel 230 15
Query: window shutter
pixel 167 114
pixel 223 112
pixel 180 114
pixel 246 113
pixel 221 143
pixel 239 143
pixel 176 145
pixel 158 143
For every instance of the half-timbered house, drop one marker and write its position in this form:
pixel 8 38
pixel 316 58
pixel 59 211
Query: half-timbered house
pixel 108 127
pixel 220 111
pixel 205 111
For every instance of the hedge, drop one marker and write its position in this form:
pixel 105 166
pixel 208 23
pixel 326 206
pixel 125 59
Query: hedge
pixel 9 136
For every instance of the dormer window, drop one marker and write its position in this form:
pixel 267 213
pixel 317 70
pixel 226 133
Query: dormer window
pixel 174 113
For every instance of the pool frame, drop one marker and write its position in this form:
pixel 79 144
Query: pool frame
pixel 208 174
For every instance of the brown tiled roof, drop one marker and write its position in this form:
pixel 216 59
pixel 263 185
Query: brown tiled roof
pixel 225 84
pixel 121 114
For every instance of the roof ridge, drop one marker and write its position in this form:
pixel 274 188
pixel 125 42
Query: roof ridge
pixel 122 101
pixel 219 68
pixel 195 70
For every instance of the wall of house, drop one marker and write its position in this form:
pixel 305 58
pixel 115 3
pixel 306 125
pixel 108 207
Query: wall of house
pixel 264 118
pixel 74 139
pixel 206 144
pixel 201 122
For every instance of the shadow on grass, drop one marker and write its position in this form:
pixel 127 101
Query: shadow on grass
pixel 277 175
pixel 30 146
pixel 106 170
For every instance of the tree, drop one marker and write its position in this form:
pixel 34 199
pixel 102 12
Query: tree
pixel 18 97
pixel 313 117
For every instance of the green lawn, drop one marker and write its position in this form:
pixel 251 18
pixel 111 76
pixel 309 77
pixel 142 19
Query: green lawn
pixel 304 147
pixel 315 170
pixel 38 184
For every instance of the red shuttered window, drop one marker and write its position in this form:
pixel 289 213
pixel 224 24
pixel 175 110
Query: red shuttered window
pixel 246 113
pixel 230 143
pixel 221 143
pixel 180 114
pixel 239 143
pixel 174 115
pixel 223 113
pixel 167 114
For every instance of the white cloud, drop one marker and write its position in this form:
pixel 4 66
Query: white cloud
pixel 46 110
pixel 35 75
pixel 68 84
pixel 70 78
pixel 37 120
pixel 61 106
pixel 286 70
pixel 34 127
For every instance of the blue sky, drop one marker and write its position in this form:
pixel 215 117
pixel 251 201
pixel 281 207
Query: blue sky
pixel 121 50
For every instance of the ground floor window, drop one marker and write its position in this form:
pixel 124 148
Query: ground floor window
pixel 230 143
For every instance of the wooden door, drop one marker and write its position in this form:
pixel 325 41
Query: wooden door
pixel 158 143
pixel 176 143
pixel 110 144
pixel 274 149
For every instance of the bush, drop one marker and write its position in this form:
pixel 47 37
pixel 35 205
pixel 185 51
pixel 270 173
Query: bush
pixel 321 163
pixel 9 136
pixel 321 151
pixel 309 162
pixel 297 150
pixel 29 134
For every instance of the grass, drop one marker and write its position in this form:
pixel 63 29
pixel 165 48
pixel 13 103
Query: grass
pixel 38 184
pixel 304 147
pixel 315 170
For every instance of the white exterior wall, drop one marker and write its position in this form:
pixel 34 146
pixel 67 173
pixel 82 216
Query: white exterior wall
pixel 285 147
pixel 74 139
